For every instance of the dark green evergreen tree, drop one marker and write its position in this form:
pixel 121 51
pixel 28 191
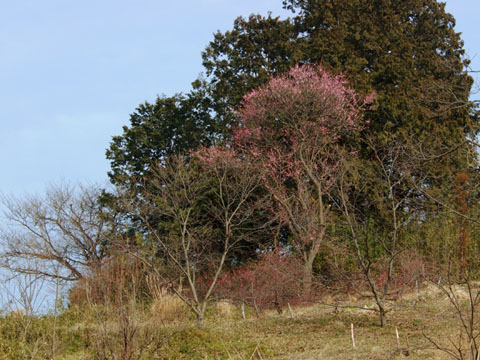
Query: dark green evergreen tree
pixel 168 126
pixel 407 51
pixel 246 57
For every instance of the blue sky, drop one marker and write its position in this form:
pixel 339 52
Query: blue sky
pixel 71 72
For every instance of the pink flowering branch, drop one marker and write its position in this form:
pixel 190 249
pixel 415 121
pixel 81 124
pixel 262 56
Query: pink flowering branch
pixel 293 126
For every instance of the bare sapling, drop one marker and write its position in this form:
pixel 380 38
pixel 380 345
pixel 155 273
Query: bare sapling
pixel 205 203
pixel 25 300
pixel 463 295
pixel 375 199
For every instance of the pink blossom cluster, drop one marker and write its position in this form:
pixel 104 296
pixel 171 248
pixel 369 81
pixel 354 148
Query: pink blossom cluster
pixel 292 128
pixel 218 156
pixel 306 95
pixel 295 122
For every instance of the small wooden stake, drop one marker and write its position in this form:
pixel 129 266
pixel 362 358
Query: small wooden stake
pixel 353 336
pixel 242 307
pixel 416 287
pixel 398 337
pixel 256 308
pixel 290 310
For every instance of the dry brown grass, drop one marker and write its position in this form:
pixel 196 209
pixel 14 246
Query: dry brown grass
pixel 167 307
pixel 319 331
pixel 226 309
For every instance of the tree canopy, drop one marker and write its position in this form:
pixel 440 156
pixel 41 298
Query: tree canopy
pixel 408 52
pixel 168 126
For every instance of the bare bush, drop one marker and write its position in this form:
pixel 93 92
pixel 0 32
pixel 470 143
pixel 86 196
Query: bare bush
pixel 117 299
pixel 463 295
pixel 273 282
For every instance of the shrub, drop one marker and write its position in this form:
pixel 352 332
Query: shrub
pixel 271 282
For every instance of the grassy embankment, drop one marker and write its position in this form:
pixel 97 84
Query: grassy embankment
pixel 163 330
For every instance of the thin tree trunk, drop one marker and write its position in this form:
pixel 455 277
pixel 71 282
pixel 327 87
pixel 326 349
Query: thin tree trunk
pixel 307 277
pixel 200 318
pixel 383 320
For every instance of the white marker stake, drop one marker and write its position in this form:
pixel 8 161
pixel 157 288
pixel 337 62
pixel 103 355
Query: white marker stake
pixel 290 310
pixel 353 336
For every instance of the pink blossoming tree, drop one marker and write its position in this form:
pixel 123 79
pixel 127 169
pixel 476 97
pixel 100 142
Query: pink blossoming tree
pixel 295 126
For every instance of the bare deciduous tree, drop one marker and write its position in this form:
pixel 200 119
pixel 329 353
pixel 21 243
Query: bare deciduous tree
pixel 377 201
pixel 62 229
pixel 207 204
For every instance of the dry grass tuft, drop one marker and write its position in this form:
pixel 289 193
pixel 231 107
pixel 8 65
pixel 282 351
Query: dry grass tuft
pixel 165 305
pixel 225 309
